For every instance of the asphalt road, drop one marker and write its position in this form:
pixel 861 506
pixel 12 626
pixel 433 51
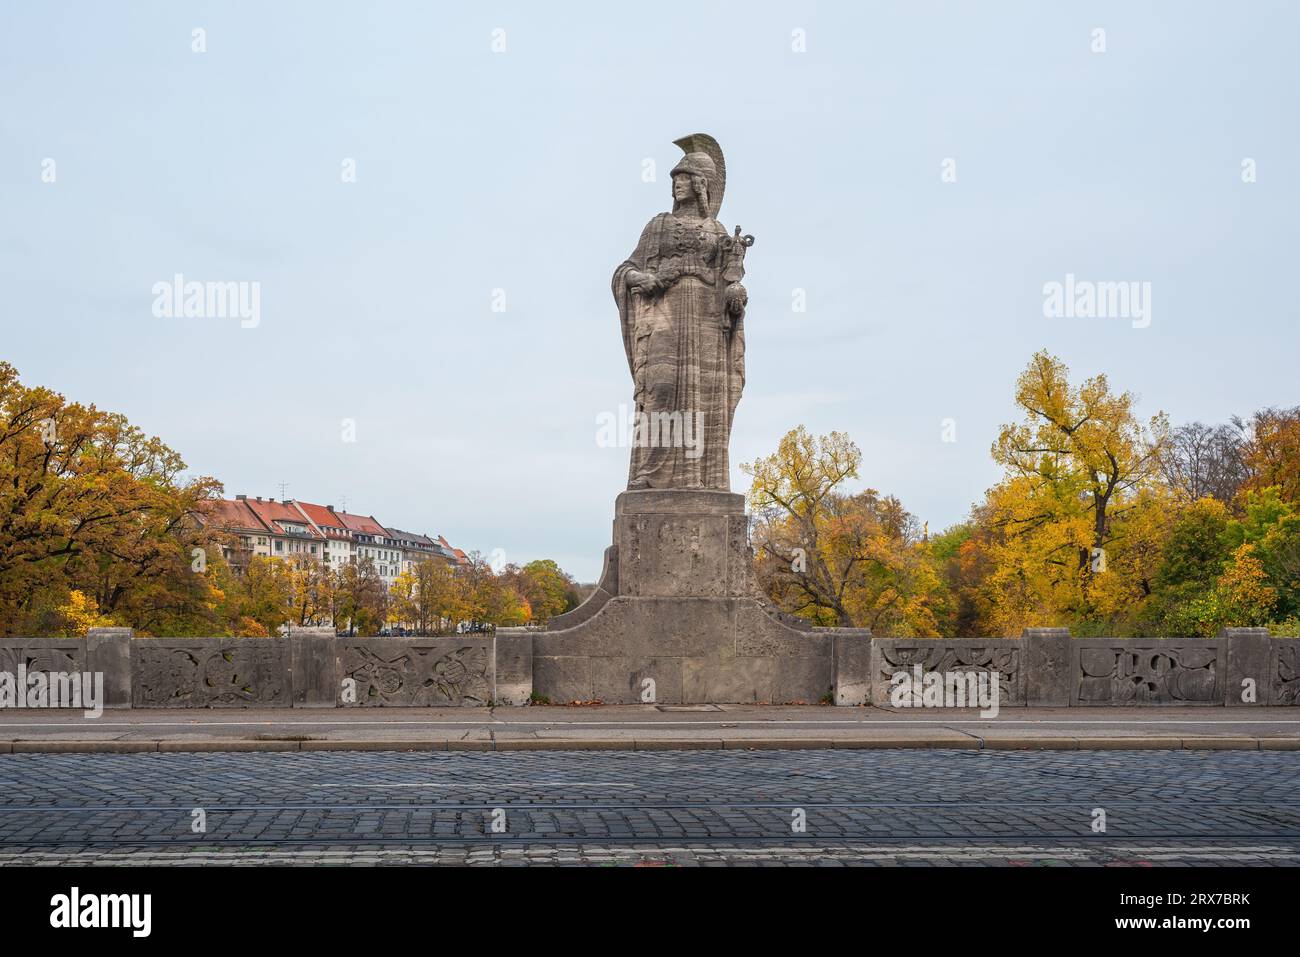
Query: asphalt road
pixel 908 807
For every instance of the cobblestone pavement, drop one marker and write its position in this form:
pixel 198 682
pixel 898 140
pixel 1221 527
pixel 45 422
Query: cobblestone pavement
pixel 666 808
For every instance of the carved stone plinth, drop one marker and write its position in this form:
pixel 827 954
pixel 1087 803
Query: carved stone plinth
pixel 676 619
pixel 682 544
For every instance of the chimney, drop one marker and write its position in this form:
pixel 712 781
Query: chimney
pixel 259 498
pixel 241 498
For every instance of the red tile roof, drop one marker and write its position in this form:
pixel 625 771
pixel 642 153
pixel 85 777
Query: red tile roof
pixel 272 513
pixel 324 518
pixel 365 524
pixel 234 515
pixel 263 517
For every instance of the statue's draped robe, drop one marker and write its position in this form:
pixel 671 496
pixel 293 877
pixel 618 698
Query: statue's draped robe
pixel 687 357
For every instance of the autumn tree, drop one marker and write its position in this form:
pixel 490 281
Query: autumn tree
pixel 1271 452
pixel 835 557
pixel 361 598
pixel 1270 529
pixel 267 592
pixel 88 503
pixel 424 596
pixel 313 590
pixel 403 598
pixel 71 618
pixel 546 588
pixel 1243 593
pixel 960 563
pixel 1081 498
pixel 488 597
pixel 229 589
pixel 438 599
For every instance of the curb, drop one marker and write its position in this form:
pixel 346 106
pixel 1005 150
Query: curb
pixel 914 743
pixel 323 744
pixel 1008 743
pixel 560 744
pixel 1135 743
pixel 777 744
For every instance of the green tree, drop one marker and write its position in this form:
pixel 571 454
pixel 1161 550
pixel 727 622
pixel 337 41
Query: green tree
pixel 1270 524
pixel 547 589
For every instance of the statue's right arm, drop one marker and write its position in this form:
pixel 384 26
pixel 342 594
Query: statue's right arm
pixel 643 282
pixel 640 278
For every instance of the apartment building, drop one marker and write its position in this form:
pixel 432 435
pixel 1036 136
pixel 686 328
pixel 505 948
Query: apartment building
pixel 414 548
pixel 372 541
pixel 291 533
pixel 290 528
pixel 339 548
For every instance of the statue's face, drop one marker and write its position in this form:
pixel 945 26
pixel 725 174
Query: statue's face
pixel 682 191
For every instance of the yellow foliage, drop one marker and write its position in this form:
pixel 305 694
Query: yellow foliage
pixel 1073 532
pixel 838 558
pixel 79 614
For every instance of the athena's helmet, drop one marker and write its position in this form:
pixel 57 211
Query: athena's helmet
pixel 704 158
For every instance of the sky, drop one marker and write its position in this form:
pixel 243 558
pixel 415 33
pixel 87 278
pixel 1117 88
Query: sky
pixel 915 172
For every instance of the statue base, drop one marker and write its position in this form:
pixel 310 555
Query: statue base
pixel 677 619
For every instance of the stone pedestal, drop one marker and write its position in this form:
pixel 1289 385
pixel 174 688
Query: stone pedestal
pixel 682 544
pixel 676 619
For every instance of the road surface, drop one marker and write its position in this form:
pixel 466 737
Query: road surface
pixel 655 808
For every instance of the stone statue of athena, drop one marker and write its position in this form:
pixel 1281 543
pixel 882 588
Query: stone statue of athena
pixel 682 310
